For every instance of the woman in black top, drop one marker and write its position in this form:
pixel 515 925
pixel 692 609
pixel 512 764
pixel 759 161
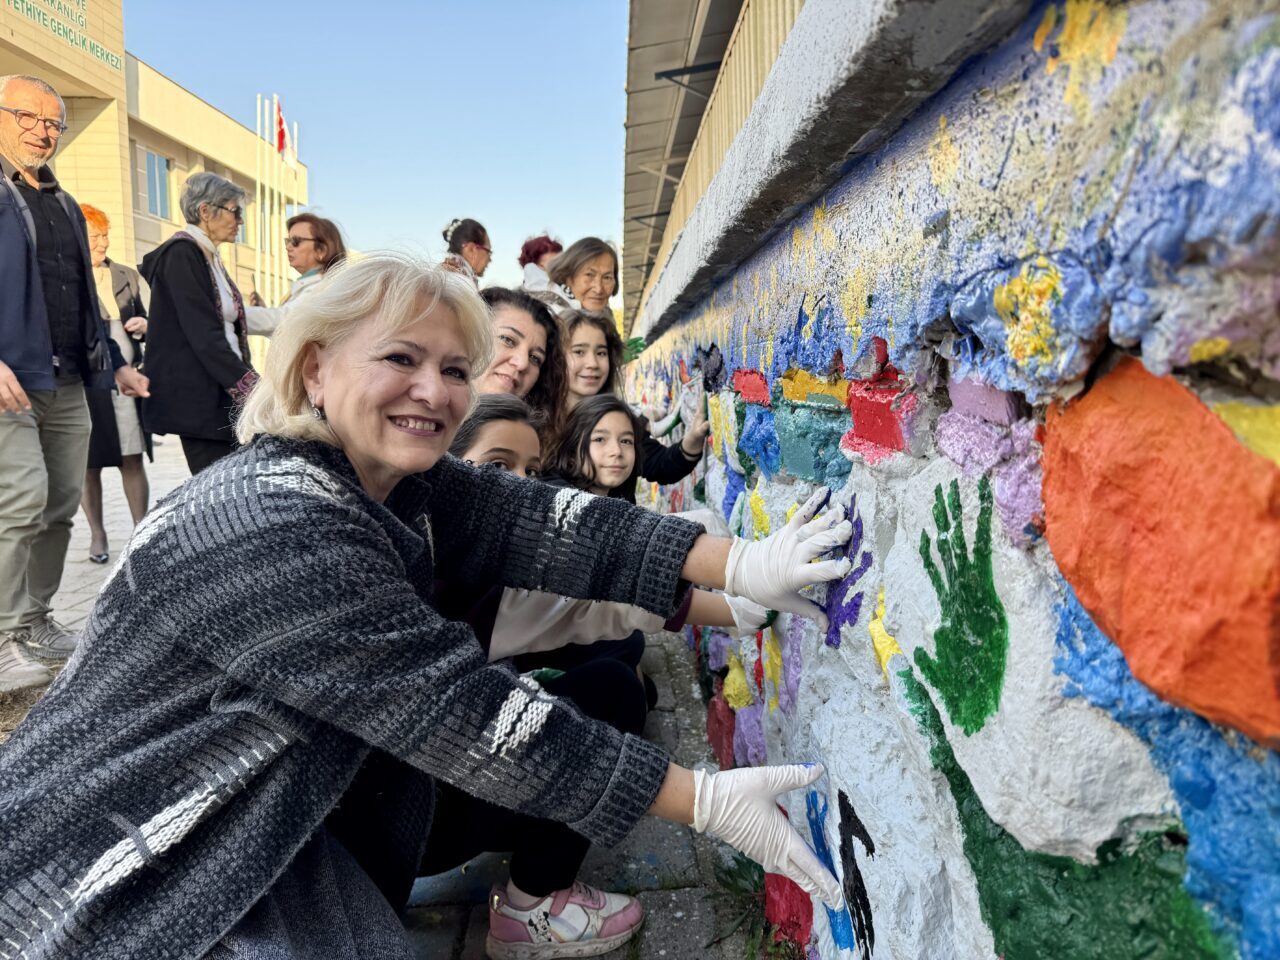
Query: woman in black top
pixel 198 348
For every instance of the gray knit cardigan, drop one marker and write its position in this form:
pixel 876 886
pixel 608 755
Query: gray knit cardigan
pixel 265 636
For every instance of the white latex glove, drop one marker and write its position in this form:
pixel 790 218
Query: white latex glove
pixel 748 616
pixel 773 571
pixel 740 807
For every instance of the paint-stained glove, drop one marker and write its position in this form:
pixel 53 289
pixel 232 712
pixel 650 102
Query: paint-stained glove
pixel 748 616
pixel 741 808
pixel 773 571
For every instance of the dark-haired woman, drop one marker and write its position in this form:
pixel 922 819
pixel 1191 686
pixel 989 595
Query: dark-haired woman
pixel 594 357
pixel 528 359
pixel 585 276
pixel 468 251
pixel 313 246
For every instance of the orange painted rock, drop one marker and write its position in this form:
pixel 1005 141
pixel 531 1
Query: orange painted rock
pixel 1168 529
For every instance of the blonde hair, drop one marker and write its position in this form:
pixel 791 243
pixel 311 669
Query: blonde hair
pixel 397 290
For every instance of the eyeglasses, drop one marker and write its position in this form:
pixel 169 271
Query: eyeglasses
pixel 296 242
pixel 488 250
pixel 28 120
pixel 236 212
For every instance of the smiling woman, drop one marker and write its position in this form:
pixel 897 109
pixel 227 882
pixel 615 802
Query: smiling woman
pixel 266 689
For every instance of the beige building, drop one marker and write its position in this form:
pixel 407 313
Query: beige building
pixel 134 136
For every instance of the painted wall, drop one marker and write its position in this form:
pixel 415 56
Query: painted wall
pixel 1033 345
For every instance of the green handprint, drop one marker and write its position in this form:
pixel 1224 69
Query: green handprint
pixel 968 667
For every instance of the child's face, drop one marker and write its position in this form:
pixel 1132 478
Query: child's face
pixel 613 451
pixel 511 445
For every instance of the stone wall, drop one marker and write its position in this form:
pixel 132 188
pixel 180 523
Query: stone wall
pixel 1032 343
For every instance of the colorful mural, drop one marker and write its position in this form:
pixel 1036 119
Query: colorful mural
pixel 1033 344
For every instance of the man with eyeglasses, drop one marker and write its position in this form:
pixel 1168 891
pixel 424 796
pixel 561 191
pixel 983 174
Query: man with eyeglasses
pixel 52 343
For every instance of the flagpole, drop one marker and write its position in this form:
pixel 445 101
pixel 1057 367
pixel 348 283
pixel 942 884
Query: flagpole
pixel 257 202
pixel 275 180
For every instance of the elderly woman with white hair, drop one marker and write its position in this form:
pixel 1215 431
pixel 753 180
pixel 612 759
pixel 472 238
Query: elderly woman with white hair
pixel 197 346
pixel 239 759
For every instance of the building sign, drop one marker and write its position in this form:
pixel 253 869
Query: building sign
pixel 66 20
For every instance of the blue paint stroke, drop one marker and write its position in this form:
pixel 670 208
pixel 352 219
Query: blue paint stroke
pixel 759 439
pixel 1227 788
pixel 815 808
pixel 734 486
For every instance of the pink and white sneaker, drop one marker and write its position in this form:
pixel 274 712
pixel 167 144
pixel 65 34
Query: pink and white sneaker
pixel 579 921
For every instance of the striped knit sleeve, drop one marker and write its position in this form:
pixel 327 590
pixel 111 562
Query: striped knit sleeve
pixel 344 638
pixel 491 526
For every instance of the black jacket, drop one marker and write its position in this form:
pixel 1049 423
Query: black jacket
pixel 25 345
pixel 191 365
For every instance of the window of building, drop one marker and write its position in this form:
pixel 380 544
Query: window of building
pixel 151 183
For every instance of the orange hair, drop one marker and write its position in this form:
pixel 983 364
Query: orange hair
pixel 95 218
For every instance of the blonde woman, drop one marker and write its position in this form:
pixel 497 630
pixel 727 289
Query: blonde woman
pixel 239 760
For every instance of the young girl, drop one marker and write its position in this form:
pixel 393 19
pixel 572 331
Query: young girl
pixel 503 430
pixel 546 856
pixel 593 352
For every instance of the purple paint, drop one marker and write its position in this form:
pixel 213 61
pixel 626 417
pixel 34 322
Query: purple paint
pixel 844 603
pixel 791 666
pixel 1016 485
pixel 984 401
pixel 971 443
pixel 718 644
pixel 748 736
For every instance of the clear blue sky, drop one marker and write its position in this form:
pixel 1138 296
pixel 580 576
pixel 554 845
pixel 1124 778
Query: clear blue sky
pixel 413 113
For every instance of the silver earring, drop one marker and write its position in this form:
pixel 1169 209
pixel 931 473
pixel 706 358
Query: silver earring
pixel 317 413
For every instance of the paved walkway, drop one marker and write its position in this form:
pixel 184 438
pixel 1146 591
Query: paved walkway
pixel 668 867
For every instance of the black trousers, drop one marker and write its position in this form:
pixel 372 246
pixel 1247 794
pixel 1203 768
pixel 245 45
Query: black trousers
pixel 200 452
pixel 545 855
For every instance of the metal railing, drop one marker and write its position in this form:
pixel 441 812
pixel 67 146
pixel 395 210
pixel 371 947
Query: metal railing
pixel 753 48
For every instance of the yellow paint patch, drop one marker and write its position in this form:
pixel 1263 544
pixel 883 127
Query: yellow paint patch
pixel 1210 348
pixel 1046 27
pixel 1025 304
pixel 766 353
pixel 881 639
pixel 759 516
pixel 716 415
pixel 823 234
pixel 944 157
pixel 737 693
pixel 772 654
pixel 791 511
pixel 1089 41
pixel 1257 427
pixel 853 301
pixel 801 385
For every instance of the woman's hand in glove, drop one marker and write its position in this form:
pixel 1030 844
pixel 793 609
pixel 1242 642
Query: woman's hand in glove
pixel 740 807
pixel 773 571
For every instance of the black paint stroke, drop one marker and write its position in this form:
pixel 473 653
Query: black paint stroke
pixel 855 890
pixel 714 376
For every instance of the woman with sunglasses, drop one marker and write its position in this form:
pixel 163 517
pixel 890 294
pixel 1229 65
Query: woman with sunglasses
pixel 197 346
pixel 469 250
pixel 313 245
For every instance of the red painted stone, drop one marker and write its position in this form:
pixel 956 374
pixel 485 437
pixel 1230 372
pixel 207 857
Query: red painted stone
pixel 788 909
pixel 752 386
pixel 720 723
pixel 1168 529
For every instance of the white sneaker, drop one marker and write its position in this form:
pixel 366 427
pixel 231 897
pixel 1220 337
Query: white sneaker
pixel 579 921
pixel 18 669
pixel 50 640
